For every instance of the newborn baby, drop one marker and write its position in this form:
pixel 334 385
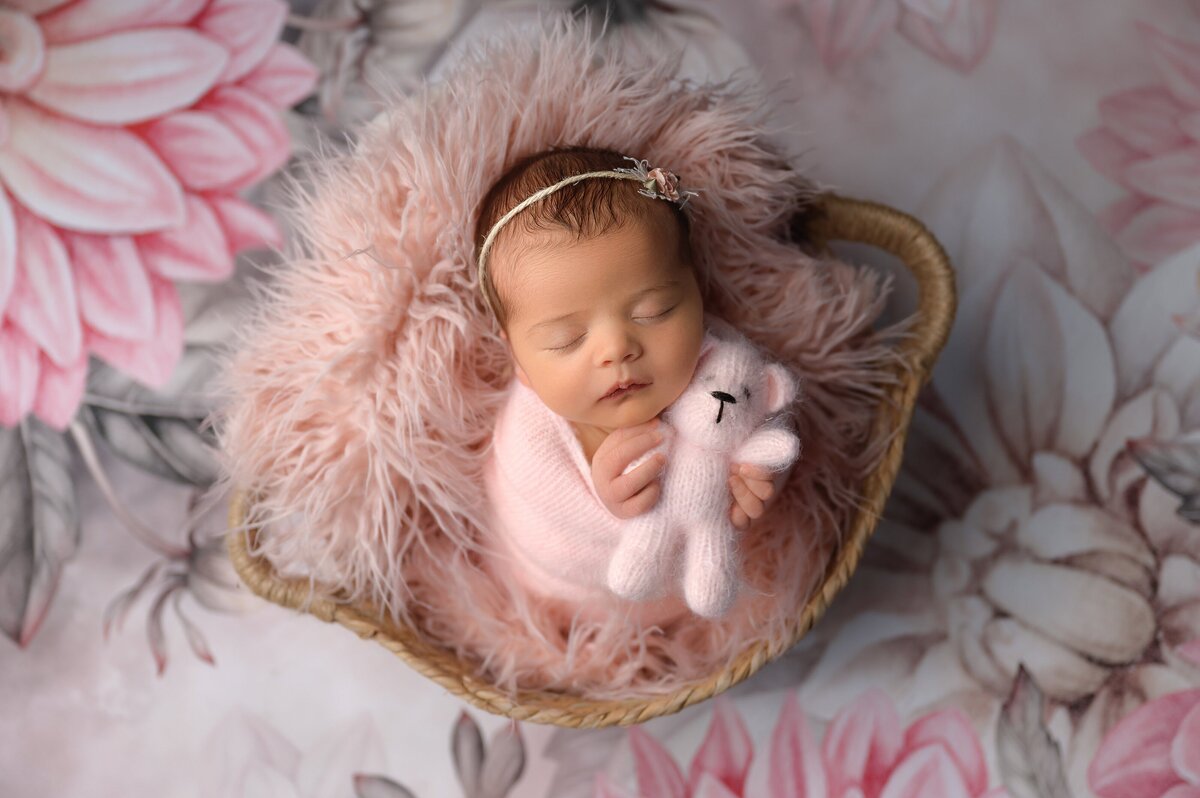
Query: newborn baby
pixel 591 279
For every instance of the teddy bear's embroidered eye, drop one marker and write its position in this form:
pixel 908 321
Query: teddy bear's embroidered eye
pixel 747 392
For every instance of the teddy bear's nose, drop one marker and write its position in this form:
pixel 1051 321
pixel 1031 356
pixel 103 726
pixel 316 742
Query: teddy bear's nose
pixel 724 397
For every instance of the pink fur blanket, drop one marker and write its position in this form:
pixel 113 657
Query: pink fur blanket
pixel 362 399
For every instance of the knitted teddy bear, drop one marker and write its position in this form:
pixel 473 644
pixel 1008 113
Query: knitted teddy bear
pixel 717 420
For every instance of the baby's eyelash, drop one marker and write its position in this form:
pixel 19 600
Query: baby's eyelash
pixel 657 315
pixel 566 346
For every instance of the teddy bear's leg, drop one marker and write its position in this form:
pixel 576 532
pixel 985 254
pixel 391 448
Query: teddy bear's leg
pixel 640 563
pixel 710 575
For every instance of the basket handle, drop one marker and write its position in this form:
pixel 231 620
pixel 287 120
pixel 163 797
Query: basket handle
pixel 839 218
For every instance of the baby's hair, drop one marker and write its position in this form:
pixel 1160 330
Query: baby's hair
pixel 588 208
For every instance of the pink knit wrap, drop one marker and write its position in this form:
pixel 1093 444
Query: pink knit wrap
pixel 363 398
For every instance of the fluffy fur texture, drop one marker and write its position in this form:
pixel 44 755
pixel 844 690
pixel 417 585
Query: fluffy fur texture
pixel 362 398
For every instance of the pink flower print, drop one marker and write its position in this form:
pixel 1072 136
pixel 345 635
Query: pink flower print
pixel 956 32
pixel 865 753
pixel 846 31
pixel 127 131
pixel 1149 144
pixel 1154 752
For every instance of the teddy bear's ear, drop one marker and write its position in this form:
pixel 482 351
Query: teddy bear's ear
pixel 706 346
pixel 781 388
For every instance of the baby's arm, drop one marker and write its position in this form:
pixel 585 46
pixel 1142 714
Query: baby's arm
pixel 628 492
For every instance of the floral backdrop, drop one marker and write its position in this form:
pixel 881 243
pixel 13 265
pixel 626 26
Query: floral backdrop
pixel 1026 621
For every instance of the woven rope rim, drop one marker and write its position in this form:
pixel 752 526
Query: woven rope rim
pixel 830 218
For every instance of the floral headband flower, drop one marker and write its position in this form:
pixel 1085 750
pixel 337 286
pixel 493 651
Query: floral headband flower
pixel 657 183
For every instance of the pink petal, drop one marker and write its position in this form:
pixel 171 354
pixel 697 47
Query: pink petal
pixel 24 51
pixel 1179 63
pixel 35 7
pixel 86 178
pixel 1173 177
pixel 8 251
pixel 710 786
pixel 247 29
pixel 845 30
pixel 1107 153
pixel 196 251
pixel 43 303
pixel 1182 791
pixel 256 122
pixel 862 743
pixel 726 751
pixel 129 77
pixel 1133 760
pixel 657 774
pixel 963 41
pixel 1119 214
pixel 928 772
pixel 152 360
pixel 245 226
pixel 19 365
pixel 796 770
pixel 202 151
pixel 951 729
pixel 87 19
pixel 1144 118
pixel 1185 748
pixel 114 291
pixel 1159 231
pixel 284 78
pixel 60 390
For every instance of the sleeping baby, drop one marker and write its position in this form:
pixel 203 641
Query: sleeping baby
pixel 586 264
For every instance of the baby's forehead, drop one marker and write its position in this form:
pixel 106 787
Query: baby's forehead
pixel 526 255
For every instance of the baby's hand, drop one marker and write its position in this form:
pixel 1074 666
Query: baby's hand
pixel 753 489
pixel 629 495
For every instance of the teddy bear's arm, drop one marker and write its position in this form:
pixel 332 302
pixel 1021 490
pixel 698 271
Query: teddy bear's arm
pixel 772 448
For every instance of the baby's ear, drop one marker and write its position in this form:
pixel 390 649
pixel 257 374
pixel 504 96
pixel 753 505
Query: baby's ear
pixel 781 388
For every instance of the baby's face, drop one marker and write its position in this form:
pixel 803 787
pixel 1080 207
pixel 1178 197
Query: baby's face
pixel 588 314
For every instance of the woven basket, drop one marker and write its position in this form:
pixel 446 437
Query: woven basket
pixel 831 218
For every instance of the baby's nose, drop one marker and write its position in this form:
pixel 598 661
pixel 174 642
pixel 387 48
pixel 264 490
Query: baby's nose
pixel 724 397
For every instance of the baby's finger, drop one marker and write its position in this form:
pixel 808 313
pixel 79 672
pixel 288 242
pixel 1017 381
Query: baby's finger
pixel 753 472
pixel 738 517
pixel 750 503
pixel 614 456
pixel 641 502
pixel 636 446
pixel 762 488
pixel 629 484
